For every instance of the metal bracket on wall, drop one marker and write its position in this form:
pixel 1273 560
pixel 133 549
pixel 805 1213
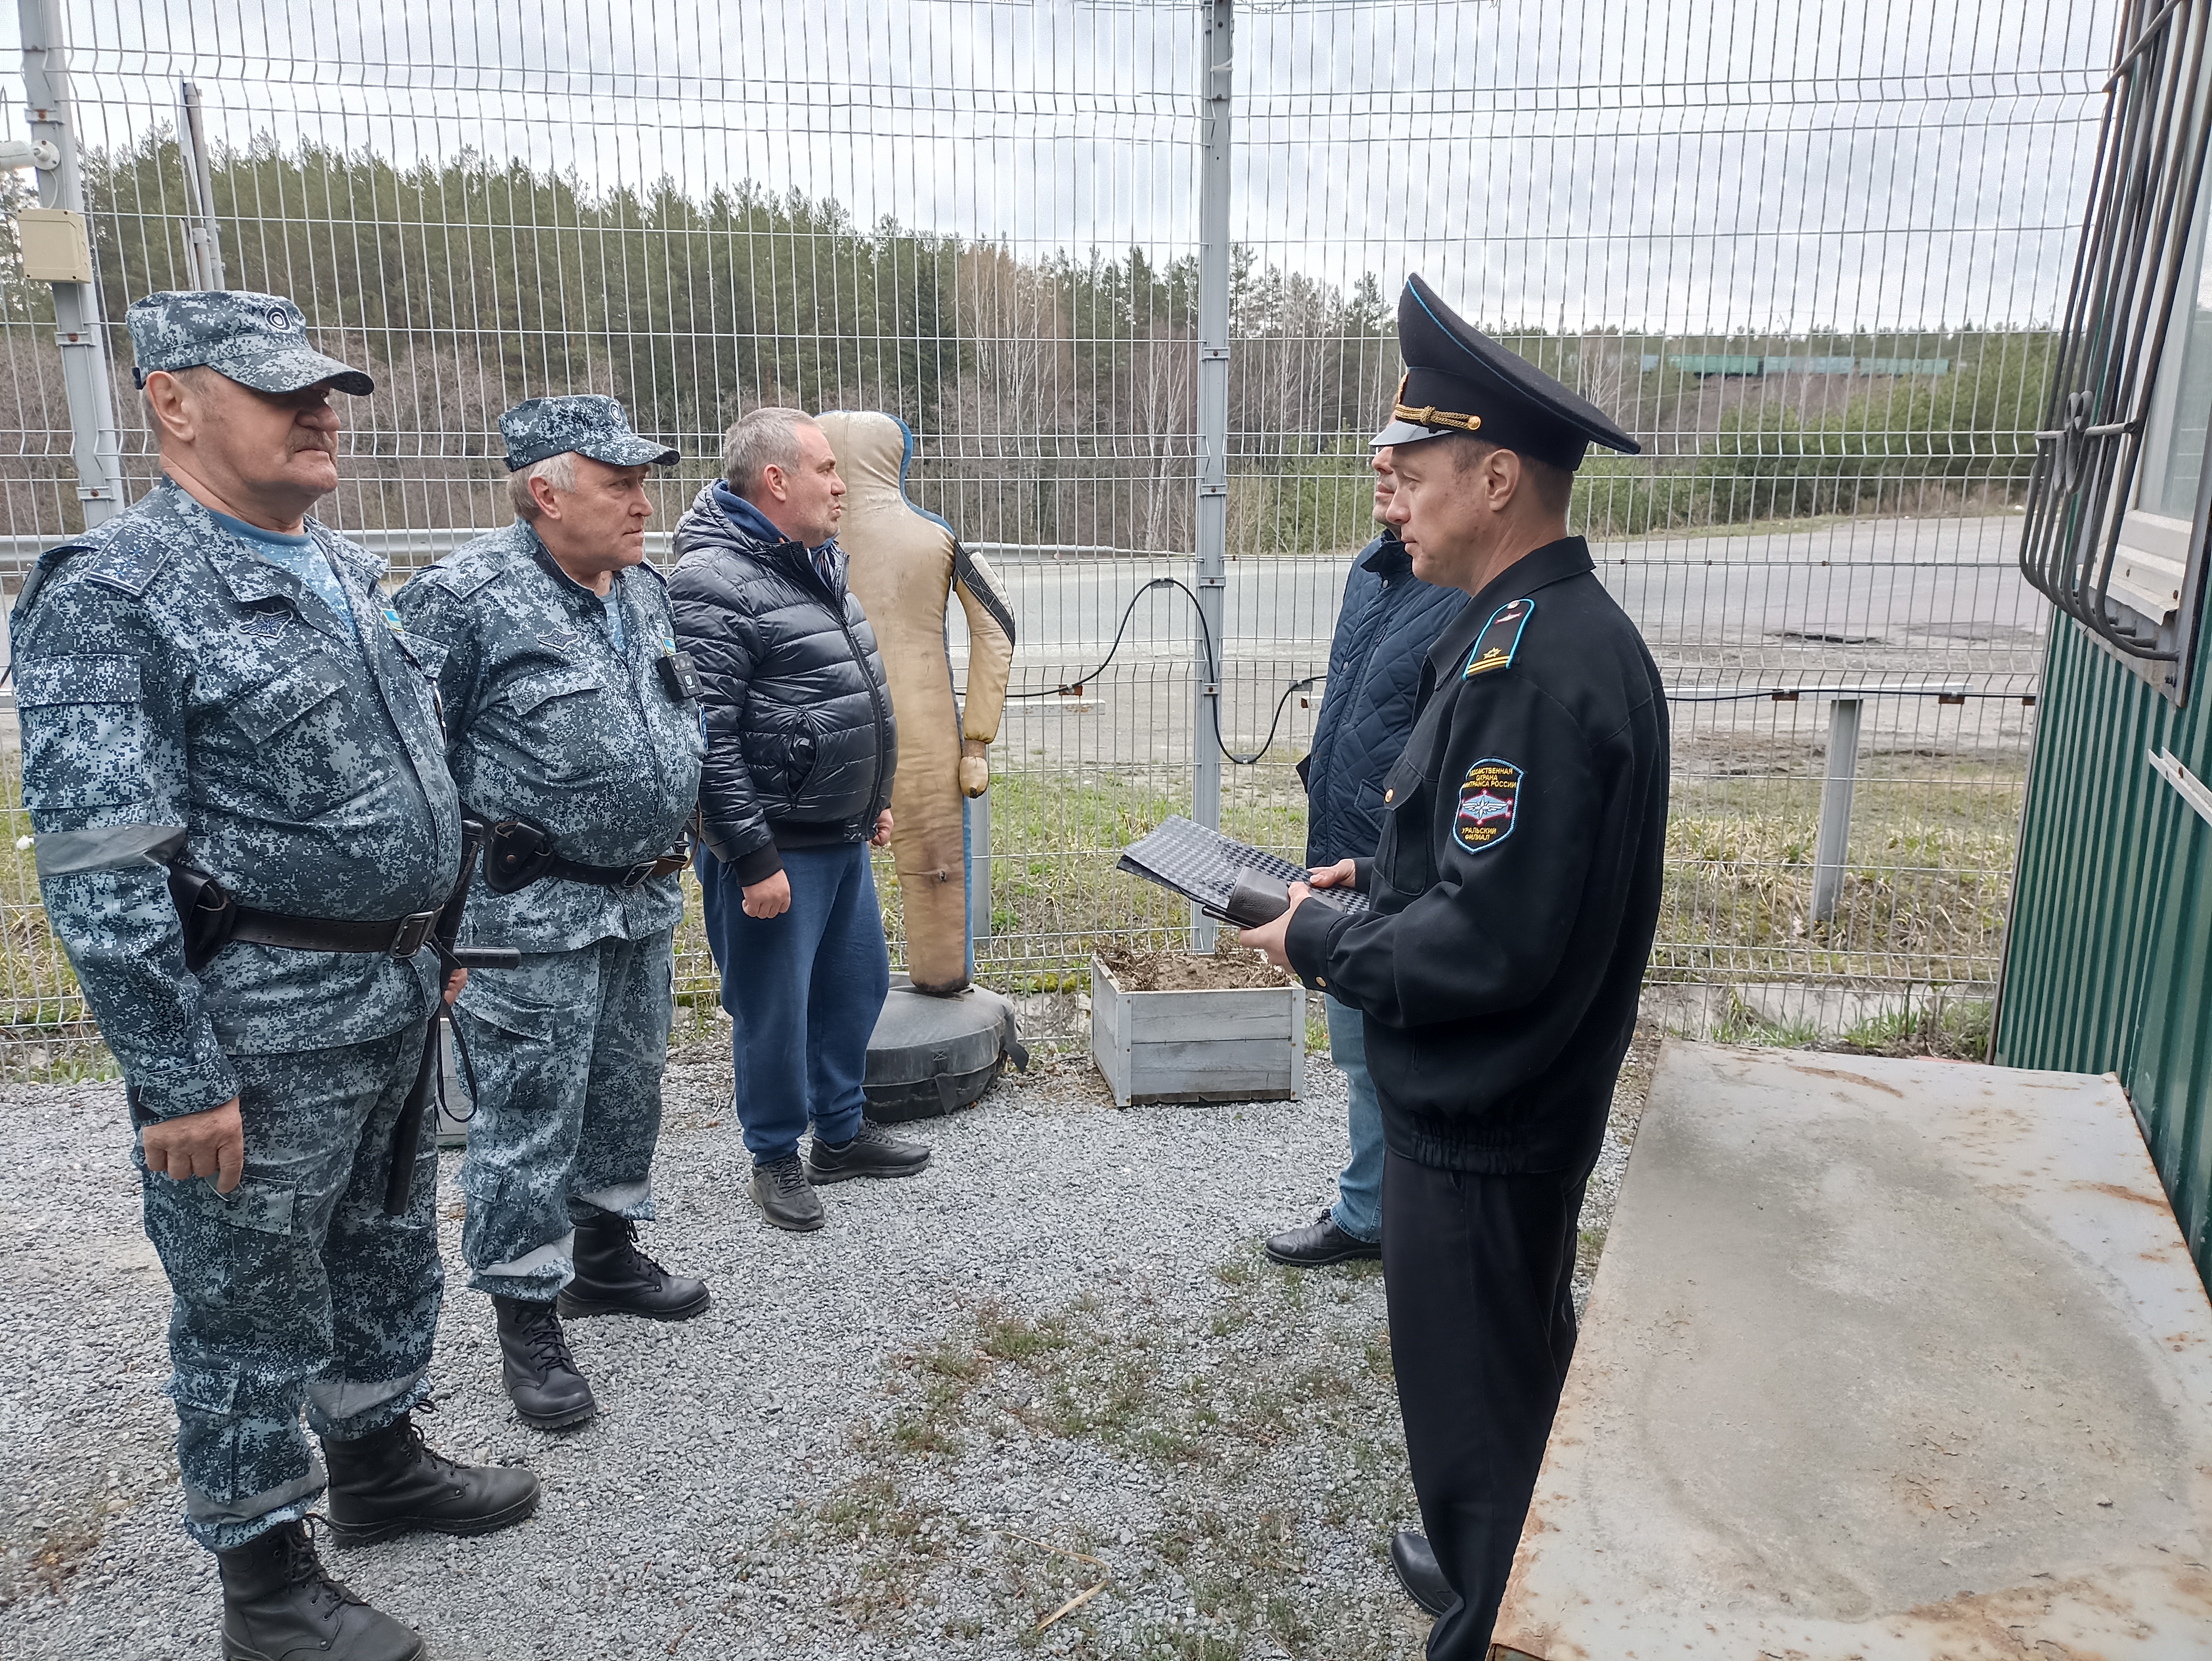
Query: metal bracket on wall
pixel 2192 789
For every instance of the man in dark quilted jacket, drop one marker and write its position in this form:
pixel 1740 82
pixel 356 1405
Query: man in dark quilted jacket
pixel 797 787
pixel 1389 621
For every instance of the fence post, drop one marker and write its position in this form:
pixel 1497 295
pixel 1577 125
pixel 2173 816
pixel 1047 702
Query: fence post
pixel 94 444
pixel 203 244
pixel 979 868
pixel 1830 851
pixel 1217 60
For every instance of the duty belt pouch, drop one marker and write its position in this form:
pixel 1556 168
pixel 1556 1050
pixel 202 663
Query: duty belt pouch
pixel 206 911
pixel 516 854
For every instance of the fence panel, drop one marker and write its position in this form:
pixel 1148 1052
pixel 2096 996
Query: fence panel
pixel 1807 255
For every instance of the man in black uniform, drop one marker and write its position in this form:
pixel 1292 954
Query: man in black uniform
pixel 1514 891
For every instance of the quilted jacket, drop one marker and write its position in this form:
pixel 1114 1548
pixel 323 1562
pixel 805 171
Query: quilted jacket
pixel 1389 621
pixel 800 743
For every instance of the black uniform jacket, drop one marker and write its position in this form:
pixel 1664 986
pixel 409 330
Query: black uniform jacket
pixel 1515 886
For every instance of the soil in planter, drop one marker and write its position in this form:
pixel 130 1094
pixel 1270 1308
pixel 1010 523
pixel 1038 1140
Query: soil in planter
pixel 1231 969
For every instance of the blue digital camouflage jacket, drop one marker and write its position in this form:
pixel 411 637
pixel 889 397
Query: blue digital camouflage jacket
pixel 549 723
pixel 181 696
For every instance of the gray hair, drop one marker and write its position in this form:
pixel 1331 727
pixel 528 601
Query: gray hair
pixel 559 472
pixel 759 440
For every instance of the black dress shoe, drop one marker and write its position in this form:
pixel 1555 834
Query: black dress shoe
pixel 390 1483
pixel 549 1391
pixel 874 1152
pixel 613 1277
pixel 279 1604
pixel 784 1195
pixel 1318 1243
pixel 1418 1572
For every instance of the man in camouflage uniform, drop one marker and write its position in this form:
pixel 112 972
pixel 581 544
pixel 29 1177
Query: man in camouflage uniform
pixel 575 734
pixel 211 680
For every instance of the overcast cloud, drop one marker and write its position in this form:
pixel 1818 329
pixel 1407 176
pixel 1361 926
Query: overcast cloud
pixel 1690 167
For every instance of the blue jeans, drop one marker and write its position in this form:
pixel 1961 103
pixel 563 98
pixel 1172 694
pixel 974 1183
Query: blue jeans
pixel 1359 1207
pixel 803 991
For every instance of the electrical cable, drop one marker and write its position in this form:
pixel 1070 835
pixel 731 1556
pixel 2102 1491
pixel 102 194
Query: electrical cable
pixel 1212 672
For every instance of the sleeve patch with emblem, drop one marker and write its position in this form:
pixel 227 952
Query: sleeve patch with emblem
pixel 1489 802
pixel 1500 638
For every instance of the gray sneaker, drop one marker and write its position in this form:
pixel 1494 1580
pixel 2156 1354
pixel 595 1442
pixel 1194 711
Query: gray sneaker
pixel 873 1152
pixel 785 1198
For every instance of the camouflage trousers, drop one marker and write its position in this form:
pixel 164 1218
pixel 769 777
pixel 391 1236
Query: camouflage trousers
pixel 295 1290
pixel 568 1052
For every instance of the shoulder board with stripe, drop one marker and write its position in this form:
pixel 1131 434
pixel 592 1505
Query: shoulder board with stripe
pixel 1499 640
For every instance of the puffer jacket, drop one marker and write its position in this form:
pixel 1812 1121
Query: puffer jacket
pixel 800 743
pixel 1389 621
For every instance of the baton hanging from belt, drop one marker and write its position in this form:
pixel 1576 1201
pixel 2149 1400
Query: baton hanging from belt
pixel 407 1133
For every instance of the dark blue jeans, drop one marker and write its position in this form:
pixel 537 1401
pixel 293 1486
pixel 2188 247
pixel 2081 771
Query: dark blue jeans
pixel 803 991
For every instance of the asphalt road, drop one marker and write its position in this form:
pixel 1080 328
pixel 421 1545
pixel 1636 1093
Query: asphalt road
pixel 1875 602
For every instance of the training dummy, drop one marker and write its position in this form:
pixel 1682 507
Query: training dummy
pixel 904 564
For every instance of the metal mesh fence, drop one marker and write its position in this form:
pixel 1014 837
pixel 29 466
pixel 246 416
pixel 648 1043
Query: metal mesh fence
pixel 1807 255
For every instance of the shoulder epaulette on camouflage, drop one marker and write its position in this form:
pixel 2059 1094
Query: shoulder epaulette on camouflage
pixel 463 580
pixel 1500 638
pixel 131 561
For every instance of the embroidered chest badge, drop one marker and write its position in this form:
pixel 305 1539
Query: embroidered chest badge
pixel 563 641
pixel 1500 638
pixel 1489 803
pixel 268 624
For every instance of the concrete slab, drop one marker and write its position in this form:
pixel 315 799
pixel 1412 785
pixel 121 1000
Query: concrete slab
pixel 1886 1360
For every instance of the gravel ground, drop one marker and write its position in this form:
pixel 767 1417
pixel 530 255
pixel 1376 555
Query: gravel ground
pixel 1056 1362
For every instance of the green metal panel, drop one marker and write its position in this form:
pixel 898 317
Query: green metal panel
pixel 1930 365
pixel 2109 966
pixel 1704 363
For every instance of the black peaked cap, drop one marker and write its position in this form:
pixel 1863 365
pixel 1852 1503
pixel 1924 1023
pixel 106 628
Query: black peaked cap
pixel 1453 368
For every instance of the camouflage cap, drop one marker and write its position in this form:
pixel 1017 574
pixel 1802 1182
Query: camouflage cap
pixel 589 424
pixel 258 340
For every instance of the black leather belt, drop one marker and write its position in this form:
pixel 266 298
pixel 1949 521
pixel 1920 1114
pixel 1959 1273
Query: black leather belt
pixel 517 852
pixel 401 937
pixel 624 876
pixel 212 918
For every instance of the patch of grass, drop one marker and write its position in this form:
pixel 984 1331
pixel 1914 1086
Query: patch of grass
pixel 1133 1391
pixel 1019 1338
pixel 1928 872
pixel 1957 1029
pixel 1740 1024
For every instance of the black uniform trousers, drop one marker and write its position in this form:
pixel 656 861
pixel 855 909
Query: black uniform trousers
pixel 1480 1274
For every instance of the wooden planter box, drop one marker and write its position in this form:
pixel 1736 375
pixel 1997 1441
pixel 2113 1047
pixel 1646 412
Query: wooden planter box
pixel 1226 1046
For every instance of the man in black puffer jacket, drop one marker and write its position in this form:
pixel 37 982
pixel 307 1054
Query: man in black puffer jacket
pixel 797 785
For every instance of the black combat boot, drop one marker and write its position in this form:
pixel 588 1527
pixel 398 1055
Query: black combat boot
pixel 549 1391
pixel 279 1605
pixel 390 1482
pixel 613 1277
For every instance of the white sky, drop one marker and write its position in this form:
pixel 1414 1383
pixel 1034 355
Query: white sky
pixel 1688 168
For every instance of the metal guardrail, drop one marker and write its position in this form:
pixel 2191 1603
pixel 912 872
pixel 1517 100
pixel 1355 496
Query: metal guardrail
pixel 19 553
